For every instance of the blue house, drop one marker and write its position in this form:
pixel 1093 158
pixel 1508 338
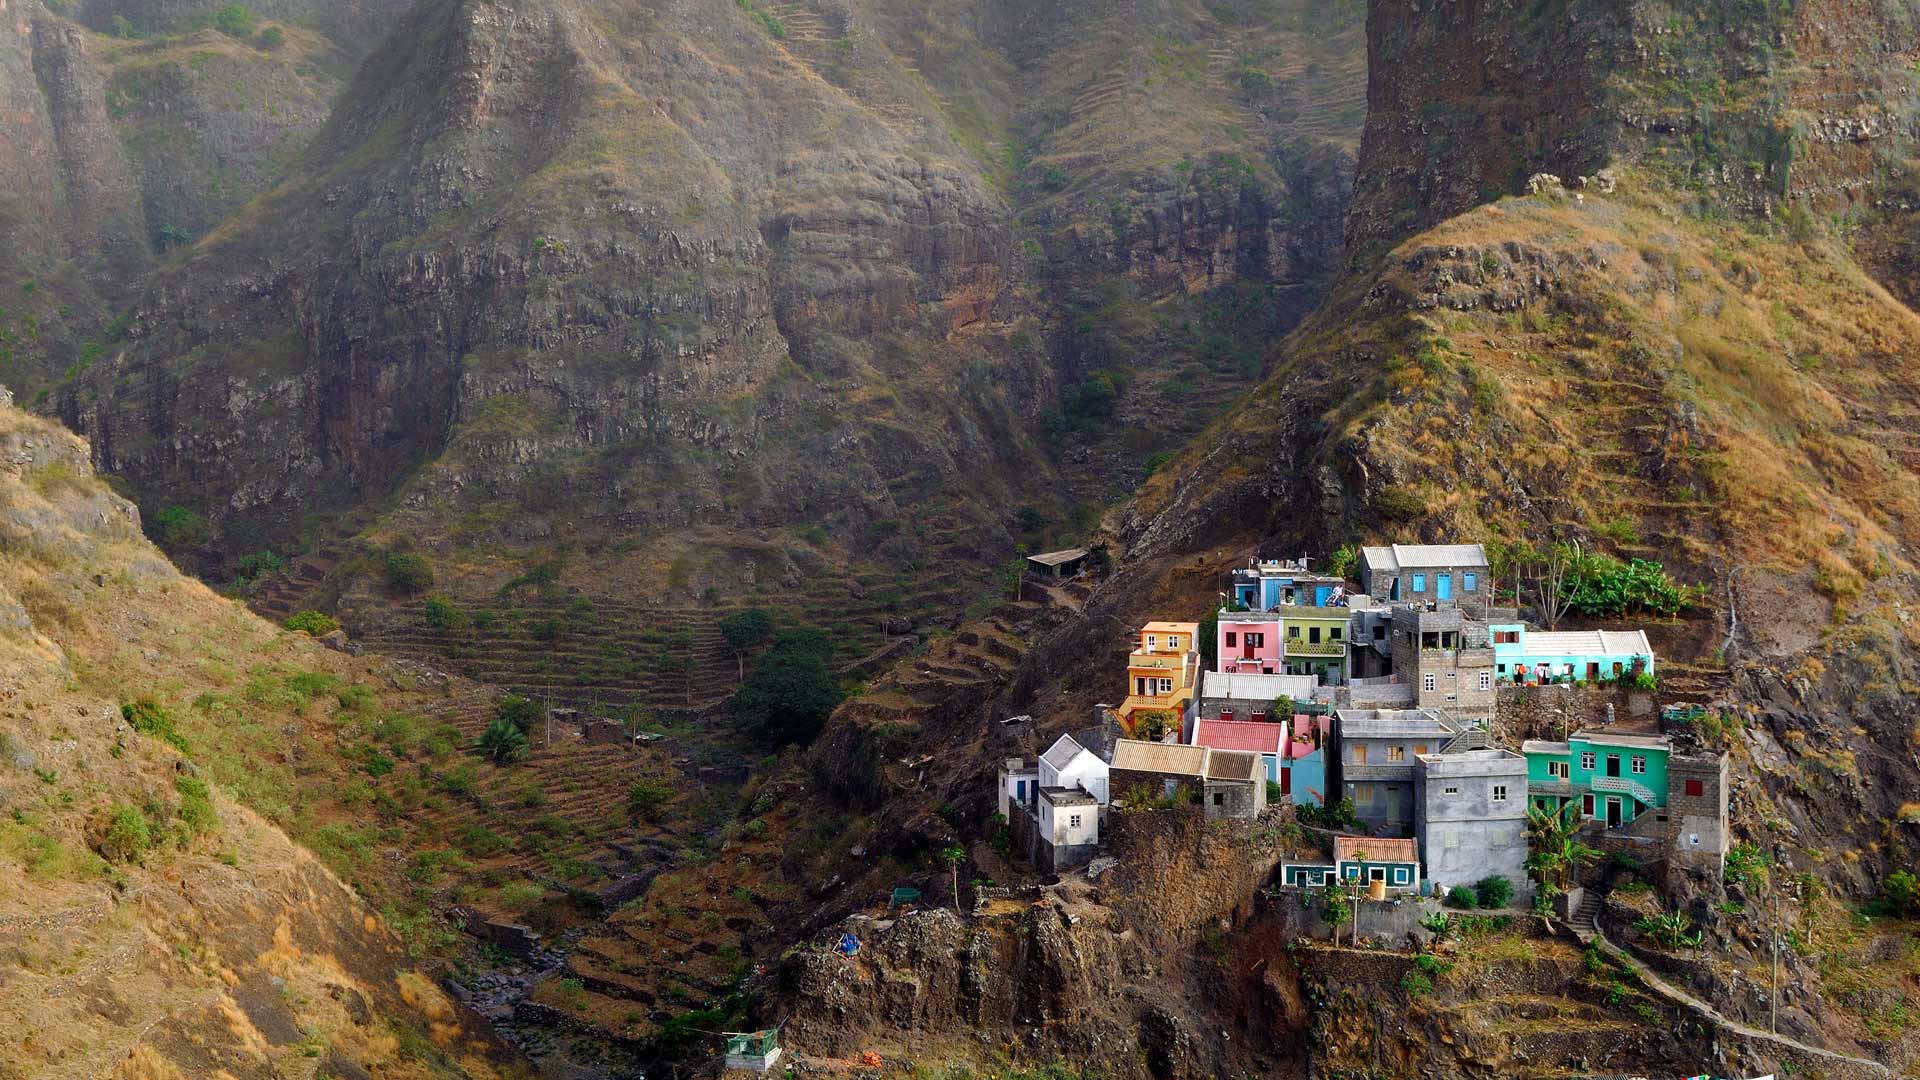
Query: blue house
pixel 1270 584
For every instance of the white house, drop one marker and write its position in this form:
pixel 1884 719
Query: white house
pixel 1069 765
pixel 1069 818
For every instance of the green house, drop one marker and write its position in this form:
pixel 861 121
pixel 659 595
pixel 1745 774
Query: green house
pixel 1314 642
pixel 1613 778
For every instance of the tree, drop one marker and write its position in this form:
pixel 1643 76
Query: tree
pixel 1554 580
pixel 522 713
pixel 1209 636
pixel 1344 559
pixel 234 21
pixel 1558 854
pixel 647 800
pixel 1903 892
pixel 791 691
pixel 440 613
pixel 953 856
pixel 1673 930
pixel 745 629
pixel 1493 891
pixel 408 572
pixel 503 742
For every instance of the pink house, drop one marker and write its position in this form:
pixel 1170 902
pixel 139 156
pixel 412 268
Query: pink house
pixel 1248 646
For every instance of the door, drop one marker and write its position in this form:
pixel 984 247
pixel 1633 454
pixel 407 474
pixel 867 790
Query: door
pixel 1613 764
pixel 1020 791
pixel 1593 673
pixel 1613 811
pixel 1246 648
pixel 1286 781
pixel 1142 687
pixel 1443 586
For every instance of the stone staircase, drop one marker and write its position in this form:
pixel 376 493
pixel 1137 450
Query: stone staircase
pixel 1586 918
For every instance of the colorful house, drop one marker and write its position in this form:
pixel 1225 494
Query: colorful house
pixel 1361 860
pixel 1162 670
pixel 1272 583
pixel 1614 778
pixel 1521 655
pixel 1287 640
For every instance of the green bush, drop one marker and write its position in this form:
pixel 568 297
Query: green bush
pixel 1463 897
pixel 791 691
pixel 440 613
pixel 178 528
pixel 234 20
pixel 1493 891
pixel 149 717
pixel 1902 892
pixel 480 842
pixel 272 38
pixel 197 815
pixel 647 800
pixel 316 623
pixel 1341 816
pixel 127 835
pixel 408 572
pixel 522 713
pixel 1601 586
pixel 1274 795
pixel 261 562
pixel 1416 982
pixel 503 741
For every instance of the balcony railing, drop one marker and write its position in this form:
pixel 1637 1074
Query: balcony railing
pixel 1379 770
pixel 1316 648
pixel 1620 785
pixel 1157 661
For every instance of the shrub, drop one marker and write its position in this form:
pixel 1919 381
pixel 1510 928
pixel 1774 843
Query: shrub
pixel 1339 815
pixel 1746 864
pixel 1274 794
pixel 522 713
pixel 408 572
pixel 480 842
pixel 503 741
pixel 1397 503
pixel 1645 680
pixel 316 623
pixel 647 800
pixel 440 613
pixel 149 717
pixel 1463 897
pixel 272 38
pixel 179 528
pixel 1673 930
pixel 261 562
pixel 1416 982
pixel 1437 923
pixel 234 20
pixel 1902 892
pixel 127 835
pixel 197 815
pixel 1493 891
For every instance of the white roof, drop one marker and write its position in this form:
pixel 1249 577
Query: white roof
pixel 1221 685
pixel 1544 746
pixel 1418 556
pixel 1586 643
pixel 1062 752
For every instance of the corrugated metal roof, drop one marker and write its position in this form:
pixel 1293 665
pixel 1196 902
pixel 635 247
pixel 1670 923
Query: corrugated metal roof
pixel 1377 849
pixel 1234 765
pixel 1419 556
pixel 1134 755
pixel 1544 746
pixel 1239 735
pixel 1055 558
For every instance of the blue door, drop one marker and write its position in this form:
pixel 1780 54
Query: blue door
pixel 1443 586
pixel 1320 595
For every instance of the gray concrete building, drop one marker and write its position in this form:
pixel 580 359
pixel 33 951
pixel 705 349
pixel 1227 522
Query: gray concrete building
pixel 1447 657
pixel 1373 760
pixel 1472 817
pixel 1697 833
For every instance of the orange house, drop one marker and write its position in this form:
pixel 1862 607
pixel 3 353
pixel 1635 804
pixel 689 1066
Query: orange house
pixel 1162 670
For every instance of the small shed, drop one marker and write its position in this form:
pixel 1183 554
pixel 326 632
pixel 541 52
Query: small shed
pixel 753 1051
pixel 1057 565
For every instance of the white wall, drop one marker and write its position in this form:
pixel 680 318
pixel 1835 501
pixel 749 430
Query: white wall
pixel 1057 824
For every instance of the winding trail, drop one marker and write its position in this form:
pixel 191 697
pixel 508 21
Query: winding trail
pixel 1681 997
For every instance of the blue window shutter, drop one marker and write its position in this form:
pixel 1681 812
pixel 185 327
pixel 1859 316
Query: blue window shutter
pixel 1419 583
pixel 1471 582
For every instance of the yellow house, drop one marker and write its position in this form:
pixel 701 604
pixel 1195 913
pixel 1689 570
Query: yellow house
pixel 1162 670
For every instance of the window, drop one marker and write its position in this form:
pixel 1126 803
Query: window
pixel 1402 876
pixel 1428 682
pixel 1486 680
pixel 1499 793
pixel 1226 714
pixel 1232 639
pixel 1450 789
pixel 1313 634
pixel 1419 583
pixel 1073 821
pixel 1376 873
pixel 1293 632
pixel 1419 749
pixel 1363 795
pixel 1559 770
pixel 1506 637
pixel 1333 633
pixel 1470 581
pixel 1173 642
pixel 1219 799
pixel 1153 641
pixel 1359 753
pixel 1166 686
pixel 1379 631
pixel 1255 640
pixel 1639 764
pixel 1696 789
pixel 1586 761
pixel 1396 753
pixel 1452 675
pixel 1258 717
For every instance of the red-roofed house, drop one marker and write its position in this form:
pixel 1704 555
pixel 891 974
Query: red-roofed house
pixel 1292 762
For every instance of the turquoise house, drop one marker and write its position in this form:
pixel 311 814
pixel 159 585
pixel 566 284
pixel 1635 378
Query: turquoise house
pixel 1521 655
pixel 1361 860
pixel 1613 778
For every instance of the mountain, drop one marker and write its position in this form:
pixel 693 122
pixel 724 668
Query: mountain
pixel 157 918
pixel 532 303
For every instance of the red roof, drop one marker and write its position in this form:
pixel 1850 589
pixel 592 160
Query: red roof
pixel 1239 735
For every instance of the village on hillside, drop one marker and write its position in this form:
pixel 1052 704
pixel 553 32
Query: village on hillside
pixel 1371 710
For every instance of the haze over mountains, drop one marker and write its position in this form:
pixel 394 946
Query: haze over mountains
pixel 610 319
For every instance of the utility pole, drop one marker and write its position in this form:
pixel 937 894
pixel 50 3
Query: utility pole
pixel 1773 991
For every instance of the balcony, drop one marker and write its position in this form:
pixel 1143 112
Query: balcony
pixel 1316 648
pixel 1392 772
pixel 1157 661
